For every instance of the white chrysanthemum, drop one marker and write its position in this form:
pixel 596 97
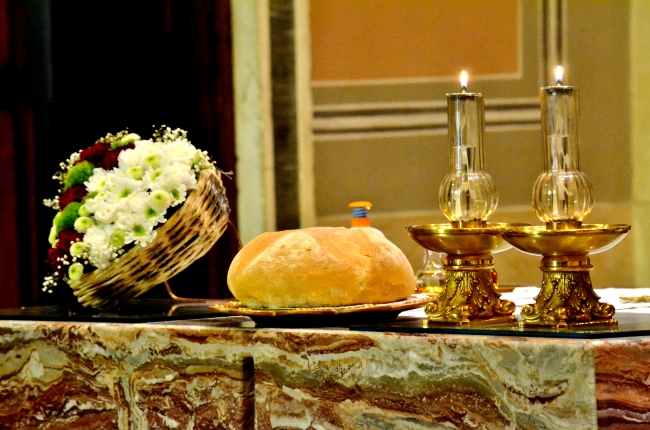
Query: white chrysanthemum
pixel 140 234
pixel 99 181
pixel 134 202
pixel 130 211
pixel 99 202
pixel 152 147
pixel 135 157
pixel 123 185
pixel 106 213
pixel 140 154
pixel 127 221
pixel 186 176
pixel 103 207
pixel 178 195
pixel 175 177
pixel 180 151
pixel 151 176
pixel 97 241
pixel 160 200
pixel 154 217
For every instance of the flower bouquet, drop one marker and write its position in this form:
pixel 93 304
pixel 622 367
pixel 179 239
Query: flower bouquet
pixel 131 214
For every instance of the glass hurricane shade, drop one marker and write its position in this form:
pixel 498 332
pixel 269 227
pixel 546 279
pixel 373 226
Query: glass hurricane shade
pixel 467 193
pixel 562 192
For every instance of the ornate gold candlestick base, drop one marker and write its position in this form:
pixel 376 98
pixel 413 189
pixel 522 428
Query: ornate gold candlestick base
pixel 567 298
pixel 469 296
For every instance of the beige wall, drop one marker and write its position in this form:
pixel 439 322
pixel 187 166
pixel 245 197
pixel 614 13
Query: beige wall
pixel 640 135
pixel 400 169
pixel 388 39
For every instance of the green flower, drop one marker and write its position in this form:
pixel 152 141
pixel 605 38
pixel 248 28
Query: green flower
pixel 75 271
pixel 139 230
pixel 156 173
pixel 117 239
pixel 65 219
pixel 77 249
pixel 83 211
pixel 78 174
pixel 150 213
pixel 83 223
pixel 153 161
pixel 197 158
pixel 135 172
pixel 53 233
pixel 129 138
pixel 160 200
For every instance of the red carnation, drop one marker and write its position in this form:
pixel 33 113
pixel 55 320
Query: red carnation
pixel 95 153
pixel 110 160
pixel 53 255
pixel 66 237
pixel 75 193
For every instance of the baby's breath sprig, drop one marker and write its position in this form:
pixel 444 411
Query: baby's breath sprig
pixel 202 162
pixel 167 134
pixel 52 203
pixel 50 282
pixel 110 137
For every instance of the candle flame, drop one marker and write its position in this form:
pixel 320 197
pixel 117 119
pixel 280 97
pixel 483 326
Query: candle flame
pixel 463 80
pixel 559 71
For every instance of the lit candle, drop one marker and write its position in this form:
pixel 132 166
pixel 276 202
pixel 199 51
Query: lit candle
pixel 467 193
pixel 466 114
pixel 562 193
pixel 559 71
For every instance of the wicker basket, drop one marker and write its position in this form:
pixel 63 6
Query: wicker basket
pixel 186 236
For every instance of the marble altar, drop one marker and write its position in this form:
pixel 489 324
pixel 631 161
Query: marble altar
pixel 222 373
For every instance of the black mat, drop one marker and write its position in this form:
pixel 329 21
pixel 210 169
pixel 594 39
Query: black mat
pixel 629 325
pixel 157 310
pixel 134 311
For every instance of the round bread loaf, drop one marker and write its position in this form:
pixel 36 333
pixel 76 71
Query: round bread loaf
pixel 320 266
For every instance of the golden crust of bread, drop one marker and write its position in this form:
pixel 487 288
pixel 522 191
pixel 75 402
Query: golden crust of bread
pixel 320 266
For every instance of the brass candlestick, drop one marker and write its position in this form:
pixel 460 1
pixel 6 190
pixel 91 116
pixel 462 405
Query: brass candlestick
pixel 467 197
pixel 562 197
pixel 567 297
pixel 469 296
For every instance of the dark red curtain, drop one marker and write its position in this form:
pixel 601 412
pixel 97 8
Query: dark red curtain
pixel 72 71
pixel 19 283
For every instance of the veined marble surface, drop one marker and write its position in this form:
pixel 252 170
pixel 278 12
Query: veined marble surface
pixel 202 375
pixel 623 383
